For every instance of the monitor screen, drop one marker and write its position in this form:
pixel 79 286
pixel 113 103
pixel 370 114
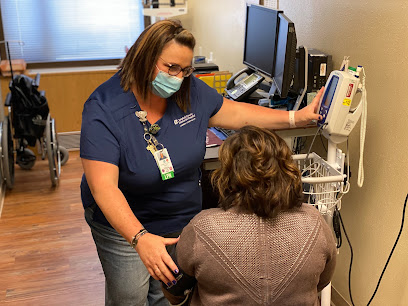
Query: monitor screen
pixel 285 57
pixel 260 38
pixel 328 97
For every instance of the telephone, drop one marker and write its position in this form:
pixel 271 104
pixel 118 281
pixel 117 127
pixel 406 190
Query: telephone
pixel 337 118
pixel 244 87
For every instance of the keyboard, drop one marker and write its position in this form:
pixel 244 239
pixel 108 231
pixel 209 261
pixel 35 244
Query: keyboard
pixel 225 132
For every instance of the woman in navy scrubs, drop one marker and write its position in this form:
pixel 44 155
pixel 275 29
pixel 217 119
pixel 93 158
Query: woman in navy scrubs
pixel 142 142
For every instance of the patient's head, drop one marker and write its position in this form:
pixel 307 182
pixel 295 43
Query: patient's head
pixel 257 173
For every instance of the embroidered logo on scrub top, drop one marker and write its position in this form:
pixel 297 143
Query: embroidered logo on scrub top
pixel 185 120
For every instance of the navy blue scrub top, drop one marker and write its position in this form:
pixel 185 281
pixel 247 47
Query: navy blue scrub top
pixel 112 133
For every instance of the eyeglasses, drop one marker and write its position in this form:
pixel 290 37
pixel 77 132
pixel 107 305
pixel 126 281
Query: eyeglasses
pixel 175 69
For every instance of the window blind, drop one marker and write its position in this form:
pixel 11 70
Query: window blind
pixel 70 30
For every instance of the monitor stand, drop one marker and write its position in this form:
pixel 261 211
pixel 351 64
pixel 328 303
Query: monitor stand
pixel 273 89
pixel 298 101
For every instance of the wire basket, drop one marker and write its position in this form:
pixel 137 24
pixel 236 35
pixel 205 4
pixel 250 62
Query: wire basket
pixel 322 184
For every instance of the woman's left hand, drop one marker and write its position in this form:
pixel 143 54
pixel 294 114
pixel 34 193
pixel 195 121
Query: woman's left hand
pixel 305 115
pixel 152 251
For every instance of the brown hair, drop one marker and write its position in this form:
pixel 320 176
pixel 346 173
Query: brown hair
pixel 137 66
pixel 257 173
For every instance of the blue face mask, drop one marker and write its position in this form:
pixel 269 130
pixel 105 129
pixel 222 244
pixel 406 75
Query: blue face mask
pixel 165 85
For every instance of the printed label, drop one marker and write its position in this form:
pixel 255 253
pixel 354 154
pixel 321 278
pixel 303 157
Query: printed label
pixel 167 176
pixel 323 68
pixel 349 90
pixel 346 102
pixel 185 120
pixel 164 163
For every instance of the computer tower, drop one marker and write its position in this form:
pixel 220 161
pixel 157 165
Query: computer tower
pixel 201 68
pixel 319 68
pixel 299 76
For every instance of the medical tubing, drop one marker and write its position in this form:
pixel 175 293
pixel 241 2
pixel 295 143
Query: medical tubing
pixel 363 125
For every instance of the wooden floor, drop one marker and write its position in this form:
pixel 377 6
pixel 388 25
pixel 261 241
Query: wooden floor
pixel 47 255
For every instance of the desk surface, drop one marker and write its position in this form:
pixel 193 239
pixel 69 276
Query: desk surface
pixel 211 153
pixel 298 132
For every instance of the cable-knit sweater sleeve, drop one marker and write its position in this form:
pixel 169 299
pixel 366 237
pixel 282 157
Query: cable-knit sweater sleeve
pixel 186 249
pixel 185 262
pixel 328 271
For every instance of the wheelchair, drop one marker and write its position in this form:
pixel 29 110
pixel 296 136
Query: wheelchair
pixel 28 121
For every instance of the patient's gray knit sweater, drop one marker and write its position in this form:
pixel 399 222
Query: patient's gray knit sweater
pixel 241 259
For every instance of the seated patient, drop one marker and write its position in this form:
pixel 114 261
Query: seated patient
pixel 262 246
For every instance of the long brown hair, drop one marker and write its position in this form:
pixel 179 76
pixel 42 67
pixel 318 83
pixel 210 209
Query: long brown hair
pixel 257 173
pixel 137 68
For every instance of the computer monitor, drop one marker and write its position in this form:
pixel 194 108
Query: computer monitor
pixel 270 47
pixel 285 57
pixel 260 39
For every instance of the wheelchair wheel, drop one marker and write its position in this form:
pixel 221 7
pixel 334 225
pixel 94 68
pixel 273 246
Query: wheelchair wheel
pixel 64 154
pixel 7 153
pixel 25 159
pixel 54 157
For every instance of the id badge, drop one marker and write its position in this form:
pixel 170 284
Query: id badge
pixel 163 161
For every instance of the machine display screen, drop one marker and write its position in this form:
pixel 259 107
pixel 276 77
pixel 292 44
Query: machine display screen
pixel 331 90
pixel 250 79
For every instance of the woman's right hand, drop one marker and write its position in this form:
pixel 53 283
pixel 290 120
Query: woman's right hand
pixel 153 253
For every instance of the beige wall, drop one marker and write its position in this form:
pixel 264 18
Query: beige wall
pixel 374 34
pixel 218 32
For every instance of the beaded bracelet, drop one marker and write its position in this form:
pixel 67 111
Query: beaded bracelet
pixel 136 237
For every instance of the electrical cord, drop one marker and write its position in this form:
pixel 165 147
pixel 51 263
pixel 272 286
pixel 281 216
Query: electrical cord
pixel 324 146
pixel 303 143
pixel 347 183
pixel 299 145
pixel 392 251
pixel 314 137
pixel 336 227
pixel 351 259
pixel 388 260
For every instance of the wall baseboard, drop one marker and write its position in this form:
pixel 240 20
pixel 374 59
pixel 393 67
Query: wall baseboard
pixel 69 140
pixel 338 299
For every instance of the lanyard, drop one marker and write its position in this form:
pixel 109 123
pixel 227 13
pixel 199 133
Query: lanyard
pixel 152 144
pixel 157 149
